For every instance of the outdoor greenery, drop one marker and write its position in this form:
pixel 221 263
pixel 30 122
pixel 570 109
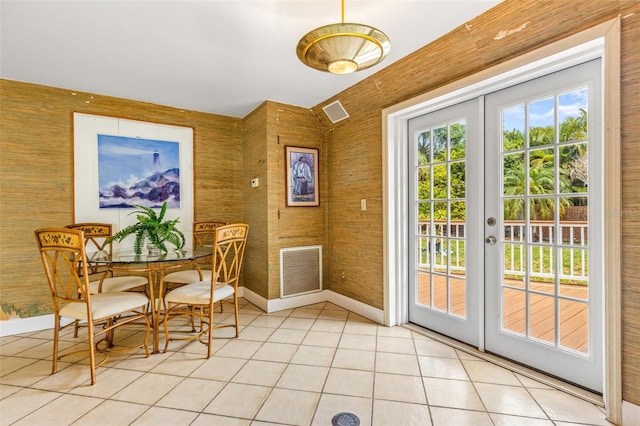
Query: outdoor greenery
pixel 531 189
pixel 540 267
pixel 442 176
pixel 541 262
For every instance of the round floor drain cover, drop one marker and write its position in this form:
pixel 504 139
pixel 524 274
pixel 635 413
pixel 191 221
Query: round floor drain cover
pixel 345 419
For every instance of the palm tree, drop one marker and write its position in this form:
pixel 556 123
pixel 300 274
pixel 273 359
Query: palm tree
pixel 541 181
pixel 574 128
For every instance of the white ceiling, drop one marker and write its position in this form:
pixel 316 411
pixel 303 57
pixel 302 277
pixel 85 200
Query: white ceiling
pixel 221 57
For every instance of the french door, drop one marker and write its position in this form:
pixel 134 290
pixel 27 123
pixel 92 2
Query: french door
pixel 446 279
pixel 507 237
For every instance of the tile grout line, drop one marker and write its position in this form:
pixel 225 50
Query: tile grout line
pixel 531 374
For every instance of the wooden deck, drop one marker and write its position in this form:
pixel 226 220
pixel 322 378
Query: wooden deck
pixel 574 316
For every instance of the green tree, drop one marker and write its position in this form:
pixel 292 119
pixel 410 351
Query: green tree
pixel 541 179
pixel 574 128
pixel 438 146
pixel 442 177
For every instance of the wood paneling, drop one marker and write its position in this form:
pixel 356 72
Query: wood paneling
pixel 36 174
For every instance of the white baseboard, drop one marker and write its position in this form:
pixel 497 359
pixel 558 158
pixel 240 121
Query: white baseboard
pixel 275 305
pixel 362 309
pixel 27 325
pixel 630 414
pixel 252 297
pixel 291 302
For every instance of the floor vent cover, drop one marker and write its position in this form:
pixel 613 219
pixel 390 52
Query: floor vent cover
pixel 300 270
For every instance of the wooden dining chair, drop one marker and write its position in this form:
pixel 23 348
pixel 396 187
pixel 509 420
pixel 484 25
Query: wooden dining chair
pixel 63 254
pixel 102 279
pixel 229 242
pixel 201 271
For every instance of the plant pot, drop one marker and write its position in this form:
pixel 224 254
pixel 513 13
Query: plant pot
pixel 153 250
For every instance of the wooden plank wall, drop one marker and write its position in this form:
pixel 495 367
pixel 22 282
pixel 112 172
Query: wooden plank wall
pixel 506 31
pixel 36 175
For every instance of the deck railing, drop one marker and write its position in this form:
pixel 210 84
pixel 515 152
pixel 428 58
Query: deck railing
pixel 444 246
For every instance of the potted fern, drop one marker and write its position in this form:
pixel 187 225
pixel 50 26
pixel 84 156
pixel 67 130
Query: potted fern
pixel 152 227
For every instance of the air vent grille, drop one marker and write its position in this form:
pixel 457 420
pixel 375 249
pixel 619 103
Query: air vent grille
pixel 300 270
pixel 335 111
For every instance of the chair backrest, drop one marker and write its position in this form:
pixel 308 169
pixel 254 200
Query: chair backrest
pixel 62 251
pixel 95 237
pixel 203 231
pixel 228 252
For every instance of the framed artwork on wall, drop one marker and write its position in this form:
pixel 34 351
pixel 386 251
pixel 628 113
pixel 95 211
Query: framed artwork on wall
pixel 119 164
pixel 302 176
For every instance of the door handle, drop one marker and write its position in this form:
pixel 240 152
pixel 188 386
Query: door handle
pixel 491 240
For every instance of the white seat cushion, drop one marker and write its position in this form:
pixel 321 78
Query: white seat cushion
pixel 187 277
pixel 122 283
pixel 198 293
pixel 105 305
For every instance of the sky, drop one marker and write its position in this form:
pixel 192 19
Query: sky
pixel 541 111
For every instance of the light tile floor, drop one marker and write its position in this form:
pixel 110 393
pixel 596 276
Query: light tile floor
pixel 295 367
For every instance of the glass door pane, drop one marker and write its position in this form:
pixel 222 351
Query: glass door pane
pixel 440 184
pixel 441 216
pixel 543 169
pixel 545 201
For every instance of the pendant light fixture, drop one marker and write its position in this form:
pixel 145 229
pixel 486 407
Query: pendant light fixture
pixel 343 48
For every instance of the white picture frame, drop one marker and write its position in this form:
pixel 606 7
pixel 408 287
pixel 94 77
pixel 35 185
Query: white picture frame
pixel 86 128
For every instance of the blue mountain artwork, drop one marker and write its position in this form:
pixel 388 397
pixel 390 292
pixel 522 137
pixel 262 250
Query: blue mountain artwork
pixel 135 171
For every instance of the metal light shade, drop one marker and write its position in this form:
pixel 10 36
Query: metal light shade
pixel 343 48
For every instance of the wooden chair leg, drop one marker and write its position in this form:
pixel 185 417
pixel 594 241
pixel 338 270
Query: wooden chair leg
pixel 56 337
pixel 167 310
pixel 109 334
pixel 235 308
pixel 92 352
pixel 193 320
pixel 210 331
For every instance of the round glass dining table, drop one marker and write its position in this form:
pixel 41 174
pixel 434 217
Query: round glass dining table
pixel 155 267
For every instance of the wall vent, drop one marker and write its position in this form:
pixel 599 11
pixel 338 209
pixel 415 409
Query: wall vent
pixel 300 270
pixel 335 111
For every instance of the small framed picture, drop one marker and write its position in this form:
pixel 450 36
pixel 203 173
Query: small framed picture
pixel 302 176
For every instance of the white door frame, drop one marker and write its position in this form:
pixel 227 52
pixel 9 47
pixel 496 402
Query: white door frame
pixel 600 41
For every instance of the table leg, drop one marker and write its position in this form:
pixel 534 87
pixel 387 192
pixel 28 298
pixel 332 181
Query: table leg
pixel 160 306
pixel 156 276
pixel 155 271
pixel 152 304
